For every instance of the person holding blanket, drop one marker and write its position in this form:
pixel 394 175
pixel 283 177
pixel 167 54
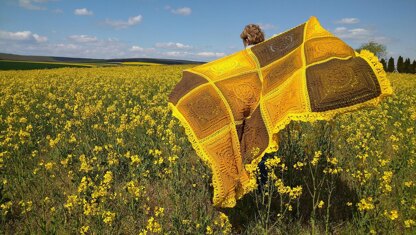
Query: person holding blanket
pixel 252 34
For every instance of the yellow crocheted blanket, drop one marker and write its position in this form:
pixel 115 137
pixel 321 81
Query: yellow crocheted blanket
pixel 231 108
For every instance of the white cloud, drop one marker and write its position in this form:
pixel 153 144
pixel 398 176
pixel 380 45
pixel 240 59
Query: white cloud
pixel 191 55
pixel 119 24
pixel 175 53
pixel 347 21
pixel 89 46
pixel 39 38
pixel 65 47
pixel 29 4
pixel 83 38
pixel 99 49
pixel 172 45
pixel 184 11
pixel 136 48
pixel 83 12
pixel 267 26
pixel 210 54
pixel 22 36
pixel 354 34
pixel 138 51
pixel 360 35
pixel 340 29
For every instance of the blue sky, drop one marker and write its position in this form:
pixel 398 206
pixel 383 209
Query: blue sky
pixel 191 29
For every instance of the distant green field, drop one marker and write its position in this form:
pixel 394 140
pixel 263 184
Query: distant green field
pixel 140 63
pixel 27 65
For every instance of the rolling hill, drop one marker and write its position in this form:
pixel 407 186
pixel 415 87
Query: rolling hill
pixel 32 58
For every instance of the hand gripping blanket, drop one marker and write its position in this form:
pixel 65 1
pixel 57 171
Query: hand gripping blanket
pixel 232 108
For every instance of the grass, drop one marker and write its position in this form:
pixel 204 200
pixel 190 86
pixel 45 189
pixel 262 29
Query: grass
pixel 28 65
pixel 97 151
pixel 139 63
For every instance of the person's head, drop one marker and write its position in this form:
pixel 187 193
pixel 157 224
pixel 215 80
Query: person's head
pixel 252 34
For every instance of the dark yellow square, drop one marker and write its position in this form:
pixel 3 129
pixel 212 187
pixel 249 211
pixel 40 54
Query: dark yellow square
pixel 341 83
pixel 242 93
pixel 204 110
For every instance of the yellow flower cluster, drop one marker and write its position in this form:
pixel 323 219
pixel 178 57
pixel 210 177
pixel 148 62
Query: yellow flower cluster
pixel 134 189
pixel 223 223
pixel 409 223
pixel 386 186
pixel 152 225
pixel 293 192
pixel 316 158
pixel 108 217
pixel 271 163
pixel 321 204
pixel 392 215
pixel 71 202
pixel 365 204
pixel 298 165
pixel 5 207
pixel 84 229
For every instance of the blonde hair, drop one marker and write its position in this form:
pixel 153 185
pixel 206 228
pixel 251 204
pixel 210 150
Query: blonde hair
pixel 252 34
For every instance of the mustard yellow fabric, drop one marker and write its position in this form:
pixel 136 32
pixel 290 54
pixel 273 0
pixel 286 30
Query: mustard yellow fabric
pixel 231 108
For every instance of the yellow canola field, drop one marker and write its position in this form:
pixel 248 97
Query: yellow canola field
pixel 96 150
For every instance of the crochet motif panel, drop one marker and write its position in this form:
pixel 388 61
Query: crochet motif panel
pixel 231 108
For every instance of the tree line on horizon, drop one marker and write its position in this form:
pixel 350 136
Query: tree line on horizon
pixel 380 50
pixel 402 66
